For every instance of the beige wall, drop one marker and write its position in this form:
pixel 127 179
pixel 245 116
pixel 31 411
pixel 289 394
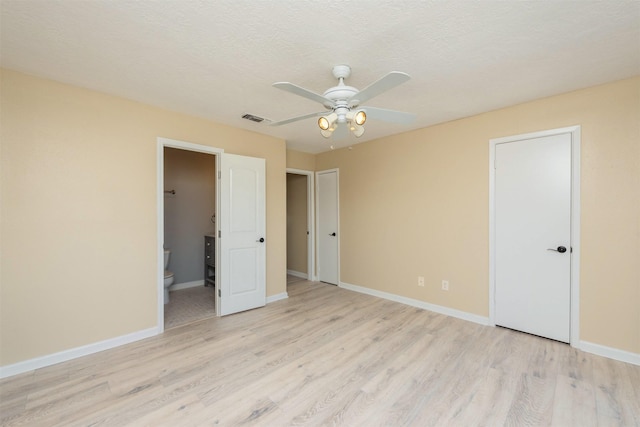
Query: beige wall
pixel 78 212
pixel 300 160
pixel 78 209
pixel 297 223
pixel 417 204
pixel 187 213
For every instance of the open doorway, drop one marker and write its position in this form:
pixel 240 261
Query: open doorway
pixel 300 225
pixel 240 254
pixel 189 233
pixel 180 188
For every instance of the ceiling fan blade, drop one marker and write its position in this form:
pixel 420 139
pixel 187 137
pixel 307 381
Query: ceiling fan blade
pixel 391 116
pixel 387 82
pixel 295 119
pixel 305 93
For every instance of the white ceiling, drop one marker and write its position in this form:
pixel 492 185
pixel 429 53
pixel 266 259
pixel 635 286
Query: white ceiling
pixel 218 59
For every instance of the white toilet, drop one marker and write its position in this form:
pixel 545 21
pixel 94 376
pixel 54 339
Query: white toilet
pixel 168 276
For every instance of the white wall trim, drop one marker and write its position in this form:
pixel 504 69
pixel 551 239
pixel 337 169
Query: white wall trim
pixel 482 320
pixel 575 222
pixel 186 285
pixel 311 219
pixel 610 352
pixel 597 349
pixel 277 297
pixel 74 353
pixel 297 274
pixel 182 145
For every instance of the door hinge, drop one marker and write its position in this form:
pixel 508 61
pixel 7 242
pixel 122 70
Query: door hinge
pixel 219 293
pixel 219 233
pixel 219 174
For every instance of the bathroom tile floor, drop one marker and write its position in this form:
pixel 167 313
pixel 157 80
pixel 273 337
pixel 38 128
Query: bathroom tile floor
pixel 192 304
pixel 189 305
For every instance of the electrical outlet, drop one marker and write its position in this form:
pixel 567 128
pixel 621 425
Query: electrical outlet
pixel 445 285
pixel 421 281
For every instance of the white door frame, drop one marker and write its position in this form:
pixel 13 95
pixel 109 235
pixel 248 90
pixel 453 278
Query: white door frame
pixel 575 223
pixel 337 171
pixel 182 145
pixel 311 221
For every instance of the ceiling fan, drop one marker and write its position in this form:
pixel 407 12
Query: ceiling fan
pixel 344 103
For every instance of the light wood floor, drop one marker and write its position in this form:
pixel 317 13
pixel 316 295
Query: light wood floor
pixel 328 356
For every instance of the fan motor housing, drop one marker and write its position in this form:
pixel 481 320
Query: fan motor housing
pixel 340 92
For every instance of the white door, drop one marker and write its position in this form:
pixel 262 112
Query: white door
pixel 328 243
pixel 242 234
pixel 533 235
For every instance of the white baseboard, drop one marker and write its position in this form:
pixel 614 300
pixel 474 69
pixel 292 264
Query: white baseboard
pixel 277 297
pixel 419 304
pixel 74 353
pixel 297 274
pixel 186 285
pixel 597 349
pixel 610 352
pixel 63 356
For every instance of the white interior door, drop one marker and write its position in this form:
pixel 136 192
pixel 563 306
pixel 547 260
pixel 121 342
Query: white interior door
pixel 533 235
pixel 328 237
pixel 242 235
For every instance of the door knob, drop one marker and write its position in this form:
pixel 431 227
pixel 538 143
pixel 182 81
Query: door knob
pixel 332 234
pixel 560 249
pixel 260 240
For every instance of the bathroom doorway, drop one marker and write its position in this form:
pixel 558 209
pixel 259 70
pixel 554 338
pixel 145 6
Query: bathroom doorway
pixel 189 221
pixel 188 206
pixel 239 258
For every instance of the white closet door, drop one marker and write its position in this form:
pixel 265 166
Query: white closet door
pixel 533 235
pixel 328 238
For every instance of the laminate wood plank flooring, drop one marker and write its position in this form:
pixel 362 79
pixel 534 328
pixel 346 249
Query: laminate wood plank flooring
pixel 329 356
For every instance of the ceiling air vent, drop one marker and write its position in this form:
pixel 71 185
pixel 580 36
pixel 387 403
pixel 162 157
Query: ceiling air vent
pixel 253 118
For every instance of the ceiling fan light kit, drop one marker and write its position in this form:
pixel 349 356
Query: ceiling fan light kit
pixel 344 102
pixel 356 129
pixel 355 120
pixel 328 121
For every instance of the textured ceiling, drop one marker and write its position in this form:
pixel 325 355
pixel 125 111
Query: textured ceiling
pixel 218 59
